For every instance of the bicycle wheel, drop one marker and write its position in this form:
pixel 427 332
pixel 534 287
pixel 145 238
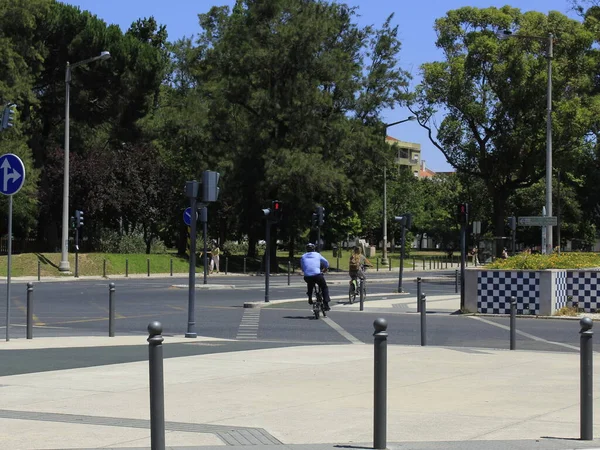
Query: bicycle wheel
pixel 352 292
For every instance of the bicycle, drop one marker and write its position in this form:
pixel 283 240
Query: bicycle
pixel 318 305
pixel 356 284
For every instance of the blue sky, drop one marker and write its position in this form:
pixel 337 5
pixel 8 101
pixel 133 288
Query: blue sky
pixel 415 25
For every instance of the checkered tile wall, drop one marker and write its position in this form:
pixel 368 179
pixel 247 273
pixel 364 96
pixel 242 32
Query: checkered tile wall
pixel 494 289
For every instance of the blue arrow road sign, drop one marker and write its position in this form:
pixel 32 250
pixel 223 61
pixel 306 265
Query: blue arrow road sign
pixel 187 216
pixel 12 174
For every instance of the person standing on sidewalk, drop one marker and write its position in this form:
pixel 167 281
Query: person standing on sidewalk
pixel 215 259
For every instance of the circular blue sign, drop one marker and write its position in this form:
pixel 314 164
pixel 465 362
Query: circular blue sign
pixel 12 174
pixel 187 216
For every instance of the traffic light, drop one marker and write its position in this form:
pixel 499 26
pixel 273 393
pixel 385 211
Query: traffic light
pixel 277 208
pixel 404 220
pixel 78 218
pixel 72 222
pixel 210 186
pixel 512 223
pixel 320 215
pixel 315 220
pixel 463 213
pixel 8 116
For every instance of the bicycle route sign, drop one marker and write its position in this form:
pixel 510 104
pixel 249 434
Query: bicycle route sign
pixel 538 221
pixel 12 174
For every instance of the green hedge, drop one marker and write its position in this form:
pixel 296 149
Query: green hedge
pixel 554 261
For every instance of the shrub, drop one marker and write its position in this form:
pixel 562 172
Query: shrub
pixel 235 248
pixel 526 261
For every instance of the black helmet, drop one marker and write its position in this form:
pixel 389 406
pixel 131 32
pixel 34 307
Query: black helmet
pixel 310 247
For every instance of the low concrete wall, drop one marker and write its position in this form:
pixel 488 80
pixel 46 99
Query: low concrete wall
pixel 538 292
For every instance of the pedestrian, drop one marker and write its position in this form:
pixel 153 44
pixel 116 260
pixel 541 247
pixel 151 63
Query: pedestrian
pixel 215 259
pixel 504 253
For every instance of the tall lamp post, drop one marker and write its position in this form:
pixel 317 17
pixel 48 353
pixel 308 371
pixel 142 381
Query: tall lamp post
pixel 384 260
pixel 549 55
pixel 64 265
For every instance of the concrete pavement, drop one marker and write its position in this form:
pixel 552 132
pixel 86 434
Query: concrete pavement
pixel 304 398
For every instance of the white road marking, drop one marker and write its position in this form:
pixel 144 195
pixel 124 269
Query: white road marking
pixel 527 335
pixel 248 328
pixel 341 331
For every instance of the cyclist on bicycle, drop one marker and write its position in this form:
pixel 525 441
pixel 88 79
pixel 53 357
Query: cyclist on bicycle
pixel 358 261
pixel 311 263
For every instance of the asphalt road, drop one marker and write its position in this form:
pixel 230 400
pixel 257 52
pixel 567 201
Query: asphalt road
pixel 80 307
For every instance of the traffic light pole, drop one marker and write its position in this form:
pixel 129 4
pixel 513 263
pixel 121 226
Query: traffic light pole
pixel 204 219
pixel 192 192
pixel 77 252
pixel 319 239
pixel 267 259
pixel 463 255
pixel 401 259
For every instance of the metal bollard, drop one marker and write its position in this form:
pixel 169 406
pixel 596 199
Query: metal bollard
pixel 157 389
pixel 418 294
pixel 289 273
pixel 171 266
pixel 29 310
pixel 104 269
pixel 362 295
pixel 148 261
pixel 111 310
pixel 244 265
pixel 414 264
pixel 337 269
pixel 226 264
pixel 456 282
pixel 390 264
pixel 513 323
pixel 429 263
pixel 378 264
pixel 446 264
pixel 126 268
pixel 39 270
pixel 380 388
pixel 423 320
pixel 586 380
pixel 423 263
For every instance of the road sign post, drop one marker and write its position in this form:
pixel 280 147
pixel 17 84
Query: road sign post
pixel 12 177
pixel 191 191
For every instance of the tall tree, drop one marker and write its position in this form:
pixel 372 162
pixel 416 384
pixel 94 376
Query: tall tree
pixel 492 94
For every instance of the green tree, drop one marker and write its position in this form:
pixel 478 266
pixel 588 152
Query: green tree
pixel 492 93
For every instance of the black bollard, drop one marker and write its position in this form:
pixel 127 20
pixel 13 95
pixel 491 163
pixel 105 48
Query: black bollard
pixel 104 269
pixel 414 264
pixel 126 268
pixel 39 270
pixel 418 294
pixel 513 323
pixel 390 264
pixel 429 263
pixel 423 320
pixel 362 294
pixel 111 310
pixel 30 310
pixel 148 261
pixel 423 263
pixel 244 265
pixel 171 266
pixel 456 282
pixel 226 264
pixel 380 388
pixel 337 269
pixel 289 264
pixel 586 380
pixel 157 389
pixel 377 264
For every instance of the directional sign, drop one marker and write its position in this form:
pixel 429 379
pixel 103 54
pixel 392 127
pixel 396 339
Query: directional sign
pixel 12 174
pixel 187 216
pixel 538 221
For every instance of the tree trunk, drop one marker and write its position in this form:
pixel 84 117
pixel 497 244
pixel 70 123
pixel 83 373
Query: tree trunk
pixel 499 198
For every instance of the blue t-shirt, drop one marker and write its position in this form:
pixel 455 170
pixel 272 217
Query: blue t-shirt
pixel 311 263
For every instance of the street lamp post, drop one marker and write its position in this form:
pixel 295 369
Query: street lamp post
pixel 384 260
pixel 549 56
pixel 64 265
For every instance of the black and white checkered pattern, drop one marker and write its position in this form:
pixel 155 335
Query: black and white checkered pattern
pixel 560 289
pixel 494 289
pixel 585 289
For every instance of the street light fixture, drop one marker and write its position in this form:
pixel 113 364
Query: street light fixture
pixel 384 260
pixel 506 34
pixel 64 265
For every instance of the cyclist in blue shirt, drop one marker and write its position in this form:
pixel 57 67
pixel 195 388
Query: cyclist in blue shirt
pixel 311 263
